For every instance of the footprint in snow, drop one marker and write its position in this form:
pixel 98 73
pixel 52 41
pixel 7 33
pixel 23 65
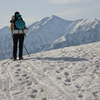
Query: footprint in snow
pixel 17 72
pixel 18 69
pixel 58 71
pixel 17 75
pixel 44 98
pixel 17 65
pixel 34 91
pixel 68 80
pixel 28 82
pixel 33 95
pixel 24 75
pixel 66 74
pixel 59 78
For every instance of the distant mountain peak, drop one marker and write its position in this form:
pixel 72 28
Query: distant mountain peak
pixel 96 21
pixel 56 17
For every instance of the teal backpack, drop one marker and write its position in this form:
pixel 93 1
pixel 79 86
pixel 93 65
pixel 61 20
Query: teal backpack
pixel 19 23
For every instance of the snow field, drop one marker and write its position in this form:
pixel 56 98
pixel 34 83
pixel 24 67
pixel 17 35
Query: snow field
pixel 71 73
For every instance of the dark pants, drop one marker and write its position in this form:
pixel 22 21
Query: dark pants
pixel 18 38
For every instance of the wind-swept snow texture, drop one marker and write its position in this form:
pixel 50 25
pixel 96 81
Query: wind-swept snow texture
pixel 71 73
pixel 52 33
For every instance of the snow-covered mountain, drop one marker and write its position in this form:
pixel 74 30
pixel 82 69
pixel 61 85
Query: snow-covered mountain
pixel 70 73
pixel 79 32
pixel 52 33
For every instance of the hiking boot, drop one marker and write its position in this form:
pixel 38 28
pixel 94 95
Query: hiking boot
pixel 20 58
pixel 14 59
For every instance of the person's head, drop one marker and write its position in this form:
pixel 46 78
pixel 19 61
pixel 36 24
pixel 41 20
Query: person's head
pixel 17 13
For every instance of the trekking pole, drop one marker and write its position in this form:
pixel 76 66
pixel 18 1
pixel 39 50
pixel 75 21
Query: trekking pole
pixel 12 48
pixel 26 51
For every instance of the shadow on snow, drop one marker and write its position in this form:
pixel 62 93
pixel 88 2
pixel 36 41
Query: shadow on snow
pixel 62 58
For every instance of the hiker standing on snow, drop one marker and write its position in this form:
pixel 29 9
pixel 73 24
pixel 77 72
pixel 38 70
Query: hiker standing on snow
pixel 17 26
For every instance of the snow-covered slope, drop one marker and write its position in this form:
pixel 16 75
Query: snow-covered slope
pixel 71 73
pixel 52 33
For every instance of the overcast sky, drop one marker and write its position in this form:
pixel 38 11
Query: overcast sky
pixel 35 10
